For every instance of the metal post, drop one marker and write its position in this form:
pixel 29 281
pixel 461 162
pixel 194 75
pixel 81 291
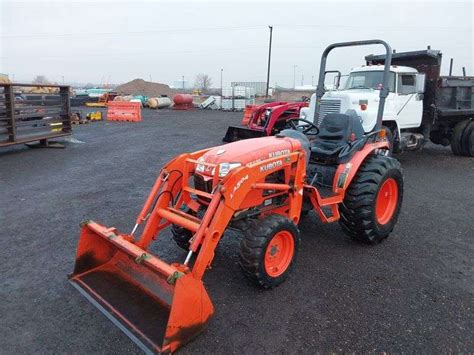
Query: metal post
pixel 269 58
pixel 463 71
pixel 451 67
pixel 294 76
pixel 221 82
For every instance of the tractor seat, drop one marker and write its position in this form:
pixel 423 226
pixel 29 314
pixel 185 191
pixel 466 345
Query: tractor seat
pixel 340 135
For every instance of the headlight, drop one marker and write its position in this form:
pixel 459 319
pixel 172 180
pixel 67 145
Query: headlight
pixel 224 168
pixel 200 167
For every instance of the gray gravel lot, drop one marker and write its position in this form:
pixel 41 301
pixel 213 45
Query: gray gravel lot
pixel 412 293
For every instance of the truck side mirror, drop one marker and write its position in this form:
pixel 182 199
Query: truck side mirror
pixel 420 83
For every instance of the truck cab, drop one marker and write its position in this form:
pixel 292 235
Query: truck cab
pixel 421 104
pixel 361 90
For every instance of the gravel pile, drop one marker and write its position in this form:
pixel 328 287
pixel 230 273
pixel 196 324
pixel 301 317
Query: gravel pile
pixel 146 88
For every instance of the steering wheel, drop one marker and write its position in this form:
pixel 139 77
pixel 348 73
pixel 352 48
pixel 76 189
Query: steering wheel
pixel 307 128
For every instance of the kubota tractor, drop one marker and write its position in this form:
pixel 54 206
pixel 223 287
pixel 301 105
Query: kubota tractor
pixel 261 186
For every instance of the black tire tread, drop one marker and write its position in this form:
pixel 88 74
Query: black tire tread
pixel 357 209
pixel 254 244
pixel 181 236
pixel 457 138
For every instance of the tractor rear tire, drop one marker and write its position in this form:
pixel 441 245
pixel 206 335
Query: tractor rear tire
pixel 462 139
pixel 372 202
pixel 268 250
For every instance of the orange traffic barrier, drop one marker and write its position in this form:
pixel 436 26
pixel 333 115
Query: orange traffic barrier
pixel 124 111
pixel 247 114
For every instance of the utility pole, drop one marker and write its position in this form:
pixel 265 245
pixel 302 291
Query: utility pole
pixel 269 58
pixel 183 81
pixel 302 80
pixel 294 76
pixel 312 80
pixel 222 70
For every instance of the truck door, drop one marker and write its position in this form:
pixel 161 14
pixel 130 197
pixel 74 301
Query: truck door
pixel 409 106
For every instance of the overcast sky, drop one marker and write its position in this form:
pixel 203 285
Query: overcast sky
pixel 118 41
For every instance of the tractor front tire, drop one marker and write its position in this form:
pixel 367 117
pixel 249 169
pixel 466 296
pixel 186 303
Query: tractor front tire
pixel 372 202
pixel 462 140
pixel 268 250
pixel 181 236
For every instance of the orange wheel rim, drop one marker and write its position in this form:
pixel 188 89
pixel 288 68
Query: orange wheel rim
pixel 279 253
pixel 386 201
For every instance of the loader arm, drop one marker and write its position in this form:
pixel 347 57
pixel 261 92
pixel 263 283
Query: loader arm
pixel 228 197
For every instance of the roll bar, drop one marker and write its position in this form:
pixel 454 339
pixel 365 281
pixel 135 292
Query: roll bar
pixel 383 92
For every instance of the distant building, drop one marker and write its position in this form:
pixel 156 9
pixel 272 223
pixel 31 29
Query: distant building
pixel 259 86
pixel 4 78
pixel 182 84
pixel 306 88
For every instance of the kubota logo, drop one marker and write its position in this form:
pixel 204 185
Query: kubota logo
pixel 271 166
pixel 278 153
pixel 238 185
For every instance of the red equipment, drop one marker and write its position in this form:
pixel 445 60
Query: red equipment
pixel 249 109
pixel 183 102
pixel 124 111
pixel 266 120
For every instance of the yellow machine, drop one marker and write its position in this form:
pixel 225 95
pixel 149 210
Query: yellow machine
pixel 94 116
pixel 108 96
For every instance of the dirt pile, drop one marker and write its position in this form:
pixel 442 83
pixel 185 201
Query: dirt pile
pixel 146 88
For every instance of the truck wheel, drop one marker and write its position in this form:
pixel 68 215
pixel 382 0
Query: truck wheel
pixel 468 140
pixel 462 139
pixel 373 199
pixel 268 250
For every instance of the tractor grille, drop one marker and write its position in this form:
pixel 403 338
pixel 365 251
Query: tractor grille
pixel 328 106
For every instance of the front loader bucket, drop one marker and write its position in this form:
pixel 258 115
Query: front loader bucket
pixel 234 134
pixel 157 306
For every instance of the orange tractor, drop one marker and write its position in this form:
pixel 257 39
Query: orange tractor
pixel 262 186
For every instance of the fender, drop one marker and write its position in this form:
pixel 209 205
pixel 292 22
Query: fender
pixel 345 172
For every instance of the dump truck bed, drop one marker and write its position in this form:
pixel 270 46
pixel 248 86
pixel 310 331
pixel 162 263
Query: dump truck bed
pixel 446 97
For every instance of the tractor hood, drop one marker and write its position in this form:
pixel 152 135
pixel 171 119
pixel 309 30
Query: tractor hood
pixel 247 151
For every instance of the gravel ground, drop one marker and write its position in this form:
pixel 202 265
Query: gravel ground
pixel 412 293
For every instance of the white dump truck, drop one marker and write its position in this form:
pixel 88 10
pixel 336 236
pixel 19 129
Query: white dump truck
pixel 420 104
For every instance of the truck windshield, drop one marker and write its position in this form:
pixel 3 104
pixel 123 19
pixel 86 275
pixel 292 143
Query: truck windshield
pixel 369 80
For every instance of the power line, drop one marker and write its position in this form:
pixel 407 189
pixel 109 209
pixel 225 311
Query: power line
pixel 374 27
pixel 175 30
pixel 235 28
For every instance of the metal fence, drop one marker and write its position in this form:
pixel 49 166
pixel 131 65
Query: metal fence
pixel 31 113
